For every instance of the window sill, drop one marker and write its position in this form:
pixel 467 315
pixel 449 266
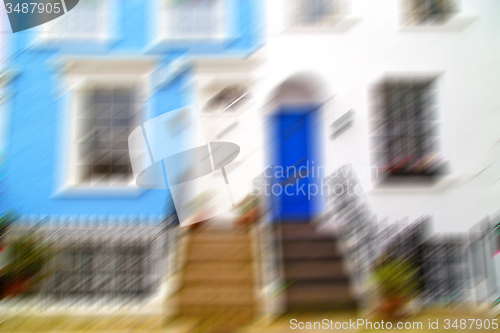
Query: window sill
pixel 47 42
pixel 166 42
pixel 455 24
pixel 415 185
pixel 30 306
pixel 341 26
pixel 189 38
pixel 68 191
pixel 50 38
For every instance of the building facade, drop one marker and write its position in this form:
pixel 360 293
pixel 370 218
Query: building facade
pixel 77 86
pixel 403 90
pixel 85 79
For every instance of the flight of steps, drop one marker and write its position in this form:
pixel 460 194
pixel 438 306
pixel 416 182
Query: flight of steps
pixel 314 269
pixel 217 285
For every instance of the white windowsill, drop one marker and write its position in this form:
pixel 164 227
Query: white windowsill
pixel 37 306
pixel 49 38
pixel 189 37
pixel 442 184
pixel 341 26
pixel 60 42
pixel 68 191
pixel 189 40
pixel 164 42
pixel 455 24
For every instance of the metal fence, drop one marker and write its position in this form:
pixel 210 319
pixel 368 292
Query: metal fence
pixel 98 258
pixel 442 263
pixel 483 252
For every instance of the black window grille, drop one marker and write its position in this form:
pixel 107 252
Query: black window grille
pixel 105 268
pixel 430 12
pixel 406 129
pixel 101 259
pixel 445 268
pixel 317 13
pixel 100 270
pixel 103 123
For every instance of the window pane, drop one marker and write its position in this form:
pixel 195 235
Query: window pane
pixel 102 140
pixel 427 12
pixel 316 13
pixel 193 18
pixel 406 136
pixel 86 20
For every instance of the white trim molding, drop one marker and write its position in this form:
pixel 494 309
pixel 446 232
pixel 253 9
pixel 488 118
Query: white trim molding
pixel 78 75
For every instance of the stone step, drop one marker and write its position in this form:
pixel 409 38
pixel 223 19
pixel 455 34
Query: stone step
pixel 316 270
pixel 218 271
pixel 210 252
pixel 348 305
pixel 220 236
pixel 210 294
pixel 303 232
pixel 311 249
pixel 313 264
pixel 217 310
pixel 296 229
pixel 318 293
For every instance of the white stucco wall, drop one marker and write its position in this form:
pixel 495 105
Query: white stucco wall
pixel 466 57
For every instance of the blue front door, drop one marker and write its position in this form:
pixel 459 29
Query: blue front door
pixel 295 186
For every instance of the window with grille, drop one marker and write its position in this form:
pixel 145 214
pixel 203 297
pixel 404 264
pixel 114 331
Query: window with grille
pixel 430 12
pixel 104 120
pixel 445 270
pixel 229 99
pixel 193 18
pixel 405 128
pixel 316 13
pixel 87 20
pixel 101 269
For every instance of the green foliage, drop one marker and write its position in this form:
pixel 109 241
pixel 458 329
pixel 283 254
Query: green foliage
pixel 5 221
pixel 396 278
pixel 200 201
pixel 28 256
pixel 25 257
pixel 249 202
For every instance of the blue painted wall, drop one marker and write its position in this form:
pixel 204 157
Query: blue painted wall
pixel 35 108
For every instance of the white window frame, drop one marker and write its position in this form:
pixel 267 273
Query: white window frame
pixel 87 74
pixel 408 11
pixel 243 126
pixel 213 75
pixel 455 23
pixel 295 8
pixel 167 33
pixel 447 180
pixel 339 22
pixel 108 22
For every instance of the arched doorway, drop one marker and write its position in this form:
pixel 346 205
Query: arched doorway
pixel 294 149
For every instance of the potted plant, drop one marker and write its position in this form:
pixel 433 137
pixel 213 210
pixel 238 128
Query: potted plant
pixel 27 256
pixel 199 208
pixel 249 210
pixel 397 283
pixel 5 221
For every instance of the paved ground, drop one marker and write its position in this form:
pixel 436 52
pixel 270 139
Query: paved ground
pixel 157 323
